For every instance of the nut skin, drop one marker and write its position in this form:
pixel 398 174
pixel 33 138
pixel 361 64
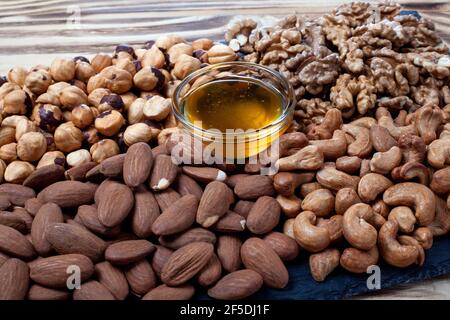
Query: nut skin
pixel 31 146
pixel 109 123
pixel 357 230
pixel 111 102
pixel 68 137
pixel 323 263
pixel 48 117
pixel 308 235
pixel 51 157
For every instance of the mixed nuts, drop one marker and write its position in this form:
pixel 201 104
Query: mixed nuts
pixel 88 180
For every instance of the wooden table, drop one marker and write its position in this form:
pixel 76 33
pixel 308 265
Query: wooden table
pixel 36 31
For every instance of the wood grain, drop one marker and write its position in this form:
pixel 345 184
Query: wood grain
pixel 35 32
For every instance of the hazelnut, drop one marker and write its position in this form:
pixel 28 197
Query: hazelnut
pixel 96 82
pixel 56 88
pixel 136 111
pixel 38 81
pixel 165 42
pixel 72 96
pixel 124 48
pixel 50 140
pixel 48 98
pixel 221 53
pixel 96 96
pixel 138 132
pixel 83 70
pixel 153 57
pixel 18 171
pixel 157 108
pixel 78 84
pixel 100 62
pixel 68 137
pixel 140 52
pixel 149 78
pixel 3 80
pixel 128 65
pixel 91 135
pixel 62 69
pixel 7 135
pixel 67 116
pixel 203 44
pixel 104 149
pixel 82 116
pixel 17 75
pixel 2 170
pixel 185 65
pixel 40 67
pixel 51 157
pixel 24 126
pixel 78 157
pixel 128 98
pixel 48 117
pixel 111 102
pixel 81 59
pixel 117 80
pixel 8 152
pixel 201 55
pixel 109 123
pixel 17 102
pixel 31 146
pixel 177 50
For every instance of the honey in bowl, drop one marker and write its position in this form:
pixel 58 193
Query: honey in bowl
pixel 245 104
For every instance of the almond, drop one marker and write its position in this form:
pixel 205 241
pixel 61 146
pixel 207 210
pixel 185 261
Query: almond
pixel 186 262
pixel 186 185
pixel 166 198
pixel 4 202
pixel 179 240
pixel 68 193
pixel 205 174
pixel 159 259
pixel 257 255
pixel 115 201
pixel 38 292
pixel 12 220
pixel 164 292
pixel 144 213
pixel 16 193
pixel 164 173
pixel 230 222
pixel 66 239
pixel 45 176
pixel 15 244
pixel 237 285
pixel 235 178
pixel 49 213
pixel 33 205
pixel 126 252
pixel 253 187
pixel 113 279
pixel 3 258
pixel 138 164
pixel 88 217
pixel 112 166
pixel 52 271
pixel 94 174
pixel 14 280
pixel 25 216
pixel 215 202
pixel 286 247
pixel 243 207
pixel 78 173
pixel 178 217
pixel 264 215
pixel 92 290
pixel 141 277
pixel 210 273
pixel 229 252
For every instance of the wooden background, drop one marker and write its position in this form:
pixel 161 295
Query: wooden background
pixel 35 31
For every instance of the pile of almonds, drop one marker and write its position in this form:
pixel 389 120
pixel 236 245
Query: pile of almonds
pixel 90 185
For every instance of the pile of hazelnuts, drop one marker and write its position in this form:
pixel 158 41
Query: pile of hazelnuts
pixel 79 110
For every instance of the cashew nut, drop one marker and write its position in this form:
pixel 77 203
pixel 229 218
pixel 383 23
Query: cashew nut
pixel 377 220
pixel 424 236
pixel 396 131
pixel 345 198
pixel 308 235
pixel 371 185
pixel 291 205
pixel 405 218
pixel 415 195
pixel 307 188
pixel 320 201
pixel 285 183
pixel 357 230
pixel 290 143
pixel 384 162
pixel 357 261
pixel 440 183
pixel 441 223
pixel 413 148
pixel 408 240
pixel 331 122
pixel 394 252
pixel 381 139
pixel 323 263
pixel 334 179
pixel 410 171
pixel 366 122
pixel 288 228
pixel 428 119
pixel 348 164
pixel 332 148
pixel 333 225
pixel 439 152
pixel 381 208
pixel 308 158
pixel 362 146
